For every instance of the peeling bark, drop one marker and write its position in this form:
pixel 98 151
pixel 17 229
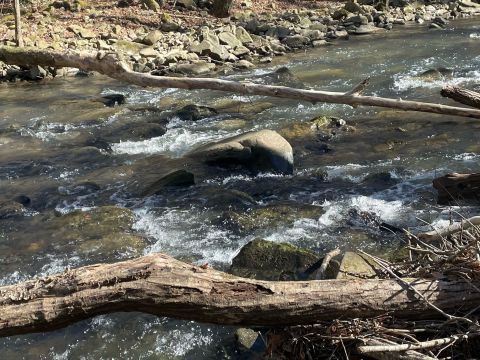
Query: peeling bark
pixel 160 285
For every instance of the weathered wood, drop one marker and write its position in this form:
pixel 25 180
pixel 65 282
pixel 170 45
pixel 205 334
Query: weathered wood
pixel 463 96
pixel 438 234
pixel 110 66
pixel 18 23
pixel 158 284
pixel 454 187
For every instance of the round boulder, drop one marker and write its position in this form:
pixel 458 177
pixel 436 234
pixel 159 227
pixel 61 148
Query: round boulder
pixel 263 150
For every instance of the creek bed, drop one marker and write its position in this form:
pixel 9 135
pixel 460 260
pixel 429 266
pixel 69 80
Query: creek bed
pixel 384 166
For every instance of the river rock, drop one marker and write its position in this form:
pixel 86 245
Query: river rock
pixel 271 216
pixel 354 266
pixel 296 41
pixel 242 35
pixel 196 68
pixel 210 48
pixel 152 37
pixel 266 260
pixel 263 150
pixel 195 112
pixel 227 38
pixel 82 32
pixel 9 209
pixel 177 178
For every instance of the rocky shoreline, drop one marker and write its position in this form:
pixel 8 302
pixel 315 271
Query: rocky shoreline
pixel 212 45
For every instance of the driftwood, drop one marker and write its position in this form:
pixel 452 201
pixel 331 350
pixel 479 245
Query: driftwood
pixel 109 65
pixel 438 234
pixel 464 96
pixel 158 284
pixel 454 187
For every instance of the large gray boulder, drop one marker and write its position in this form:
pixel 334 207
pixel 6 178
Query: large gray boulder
pixel 263 150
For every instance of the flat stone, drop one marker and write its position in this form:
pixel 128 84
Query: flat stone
pixel 152 37
pixel 197 68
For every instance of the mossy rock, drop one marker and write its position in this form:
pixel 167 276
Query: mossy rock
pixel 114 242
pixel 305 129
pixel 271 216
pixel 265 260
pixel 95 223
pixel 225 105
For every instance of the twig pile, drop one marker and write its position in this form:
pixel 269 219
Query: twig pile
pixel 451 255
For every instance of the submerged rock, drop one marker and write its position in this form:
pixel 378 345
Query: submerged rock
pixel 178 178
pixel 103 229
pixel 270 216
pixel 265 260
pixel 263 150
pixel 195 112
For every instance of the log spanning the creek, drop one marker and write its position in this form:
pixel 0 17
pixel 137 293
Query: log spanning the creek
pixel 463 96
pixel 160 285
pixel 110 65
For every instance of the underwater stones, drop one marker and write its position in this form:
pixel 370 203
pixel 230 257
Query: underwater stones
pixel 177 178
pixel 263 150
pixel 228 105
pixel 106 228
pixel 282 214
pixel 266 260
pixel 435 74
pixel 9 209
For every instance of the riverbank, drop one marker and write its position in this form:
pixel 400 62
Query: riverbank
pixel 182 38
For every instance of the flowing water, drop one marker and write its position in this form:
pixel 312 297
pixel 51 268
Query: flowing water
pixel 67 152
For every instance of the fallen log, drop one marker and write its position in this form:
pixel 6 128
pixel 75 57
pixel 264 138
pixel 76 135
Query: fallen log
pixel 438 234
pixel 160 285
pixel 454 187
pixel 463 96
pixel 109 65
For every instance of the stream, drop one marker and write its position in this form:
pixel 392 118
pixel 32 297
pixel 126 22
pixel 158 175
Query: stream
pixel 60 151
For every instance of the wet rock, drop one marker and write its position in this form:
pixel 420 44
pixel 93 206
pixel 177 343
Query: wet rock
pixel 177 178
pixel 363 30
pixel 10 209
pixel 265 260
pixel 271 216
pixel 250 343
pixel 244 64
pixel 354 266
pixel 436 74
pixel 231 124
pixel 195 112
pixel 263 150
pixel 221 198
pixel 111 100
pixel 283 76
pixel 228 105
pixel 132 131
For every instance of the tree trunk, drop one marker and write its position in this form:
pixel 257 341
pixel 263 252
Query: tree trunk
pixel 158 284
pixel 463 96
pixel 453 188
pixel 18 24
pixel 221 8
pixel 110 66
